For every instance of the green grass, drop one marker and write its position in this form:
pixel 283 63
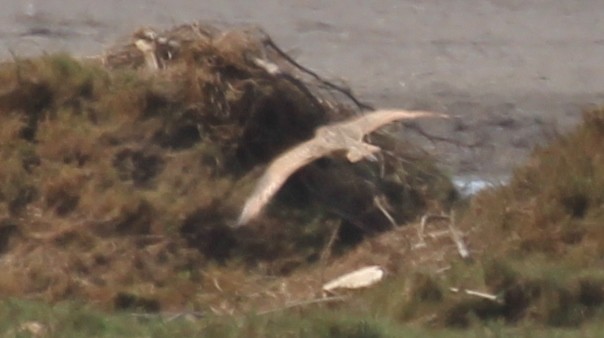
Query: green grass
pixel 77 320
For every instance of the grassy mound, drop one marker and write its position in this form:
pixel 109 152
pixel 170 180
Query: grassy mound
pixel 118 184
pixel 542 234
pixel 537 244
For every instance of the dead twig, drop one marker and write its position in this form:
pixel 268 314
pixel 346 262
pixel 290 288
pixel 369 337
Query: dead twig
pixel 332 239
pixel 455 234
pixel 379 202
pixel 478 294
pixel 457 239
pixel 269 67
pixel 326 253
pixel 346 91
pixel 422 227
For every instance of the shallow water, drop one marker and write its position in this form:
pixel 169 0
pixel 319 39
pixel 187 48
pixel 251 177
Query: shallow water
pixel 385 46
pixel 471 185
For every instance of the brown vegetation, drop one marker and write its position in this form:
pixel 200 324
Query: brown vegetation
pixel 541 235
pixel 119 185
pixel 536 250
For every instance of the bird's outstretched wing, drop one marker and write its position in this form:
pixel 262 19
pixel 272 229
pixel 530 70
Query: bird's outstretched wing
pixel 278 172
pixel 374 120
pixel 285 165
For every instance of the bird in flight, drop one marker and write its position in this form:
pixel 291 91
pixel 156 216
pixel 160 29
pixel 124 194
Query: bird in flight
pixel 346 136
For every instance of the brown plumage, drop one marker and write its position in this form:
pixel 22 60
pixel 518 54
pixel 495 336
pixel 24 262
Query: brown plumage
pixel 340 136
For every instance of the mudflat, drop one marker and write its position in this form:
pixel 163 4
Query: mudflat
pixel 512 71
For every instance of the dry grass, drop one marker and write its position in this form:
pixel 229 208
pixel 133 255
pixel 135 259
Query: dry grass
pixel 536 246
pixel 118 186
pixel 540 238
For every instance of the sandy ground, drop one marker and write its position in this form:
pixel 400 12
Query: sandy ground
pixel 512 70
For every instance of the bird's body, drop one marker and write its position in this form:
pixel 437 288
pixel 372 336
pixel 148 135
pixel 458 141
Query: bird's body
pixel 340 136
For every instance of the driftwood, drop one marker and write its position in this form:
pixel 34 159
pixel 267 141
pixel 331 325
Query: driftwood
pixel 357 279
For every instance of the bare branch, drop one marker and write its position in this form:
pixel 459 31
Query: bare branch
pixel 456 237
pixel 379 202
pixel 346 91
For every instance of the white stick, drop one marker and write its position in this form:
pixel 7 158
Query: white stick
pixel 378 203
pixel 456 237
pixel 477 294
